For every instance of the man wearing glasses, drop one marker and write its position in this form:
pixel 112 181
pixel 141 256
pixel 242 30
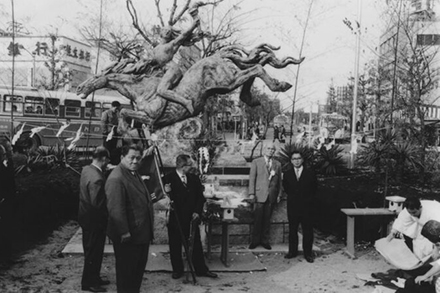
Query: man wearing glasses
pixel 300 185
pixel 265 192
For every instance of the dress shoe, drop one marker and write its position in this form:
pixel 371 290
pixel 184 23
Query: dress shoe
pixel 176 275
pixel 266 246
pixel 103 282
pixel 208 274
pixel 290 255
pixel 310 259
pixel 253 245
pixel 94 289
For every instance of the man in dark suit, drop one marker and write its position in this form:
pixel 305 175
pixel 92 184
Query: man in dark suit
pixel 92 217
pixel 265 192
pixel 130 220
pixel 186 194
pixel 300 184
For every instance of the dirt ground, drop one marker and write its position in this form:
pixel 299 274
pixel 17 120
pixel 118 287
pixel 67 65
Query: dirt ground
pixel 44 269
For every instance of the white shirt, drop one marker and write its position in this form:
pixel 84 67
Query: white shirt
pixel 298 171
pixel 182 177
pixel 412 226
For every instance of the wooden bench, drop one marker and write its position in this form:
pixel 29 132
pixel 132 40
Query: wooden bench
pixel 352 214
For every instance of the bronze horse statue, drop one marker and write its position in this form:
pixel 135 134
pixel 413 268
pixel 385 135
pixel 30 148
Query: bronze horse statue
pixel 223 72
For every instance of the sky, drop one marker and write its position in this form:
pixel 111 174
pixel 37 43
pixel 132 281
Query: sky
pixel 328 47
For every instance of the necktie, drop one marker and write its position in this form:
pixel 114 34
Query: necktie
pixel 184 180
pixel 297 173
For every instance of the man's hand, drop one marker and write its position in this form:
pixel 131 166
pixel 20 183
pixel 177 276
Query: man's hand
pixel 126 237
pixel 252 198
pixel 167 187
pixel 195 216
pixel 392 234
pixel 421 279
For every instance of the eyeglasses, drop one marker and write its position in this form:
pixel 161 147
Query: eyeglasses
pixel 296 158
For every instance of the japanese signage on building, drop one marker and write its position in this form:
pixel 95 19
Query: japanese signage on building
pixel 45 48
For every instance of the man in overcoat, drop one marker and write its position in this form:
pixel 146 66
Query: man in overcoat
pixel 130 221
pixel 300 184
pixel 92 217
pixel 265 191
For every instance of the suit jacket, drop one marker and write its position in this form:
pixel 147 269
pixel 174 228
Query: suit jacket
pixel 129 207
pixel 186 200
pixel 300 193
pixel 259 183
pixel 92 211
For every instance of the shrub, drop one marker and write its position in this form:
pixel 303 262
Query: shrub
pixel 307 152
pixel 330 162
pixel 323 161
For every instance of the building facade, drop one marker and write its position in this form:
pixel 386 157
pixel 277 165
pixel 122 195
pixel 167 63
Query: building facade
pixel 54 62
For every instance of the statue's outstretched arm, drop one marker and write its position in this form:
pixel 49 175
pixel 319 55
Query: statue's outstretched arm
pixel 188 33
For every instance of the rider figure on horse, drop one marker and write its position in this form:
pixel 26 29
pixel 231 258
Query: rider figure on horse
pixel 166 56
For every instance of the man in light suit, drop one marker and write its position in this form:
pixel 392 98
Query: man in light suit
pixel 186 193
pixel 130 220
pixel 265 191
pixel 92 217
pixel 300 184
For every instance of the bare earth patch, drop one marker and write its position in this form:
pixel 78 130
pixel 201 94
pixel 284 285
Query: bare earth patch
pixel 45 269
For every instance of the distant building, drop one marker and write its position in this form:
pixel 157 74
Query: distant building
pixel 34 55
pixel 419 27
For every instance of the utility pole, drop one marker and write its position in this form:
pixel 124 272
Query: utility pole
pixel 13 72
pixel 356 85
pixel 396 47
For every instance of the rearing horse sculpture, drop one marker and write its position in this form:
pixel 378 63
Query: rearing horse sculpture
pixel 221 73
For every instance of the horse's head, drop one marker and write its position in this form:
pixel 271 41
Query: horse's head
pixel 90 85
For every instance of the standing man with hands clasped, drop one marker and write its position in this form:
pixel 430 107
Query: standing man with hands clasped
pixel 130 221
pixel 265 192
pixel 186 194
pixel 300 184
pixel 92 217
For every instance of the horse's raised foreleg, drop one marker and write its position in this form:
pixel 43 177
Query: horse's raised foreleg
pixel 141 116
pixel 246 96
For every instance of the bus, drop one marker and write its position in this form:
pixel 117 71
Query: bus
pixel 333 126
pixel 52 109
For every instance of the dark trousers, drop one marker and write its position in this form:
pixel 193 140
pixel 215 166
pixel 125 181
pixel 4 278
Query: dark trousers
pixel 261 229
pixel 111 146
pixel 175 244
pixel 412 287
pixel 307 230
pixel 93 245
pixel 131 260
pixel 6 230
pixel 408 242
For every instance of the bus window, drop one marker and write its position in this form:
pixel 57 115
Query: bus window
pixel 106 106
pixel 52 106
pixel 18 103
pixel 72 108
pixel 94 108
pixel 33 105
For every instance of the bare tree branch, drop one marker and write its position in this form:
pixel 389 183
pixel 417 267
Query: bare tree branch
pixel 173 11
pixel 133 13
pixel 179 16
pixel 159 12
